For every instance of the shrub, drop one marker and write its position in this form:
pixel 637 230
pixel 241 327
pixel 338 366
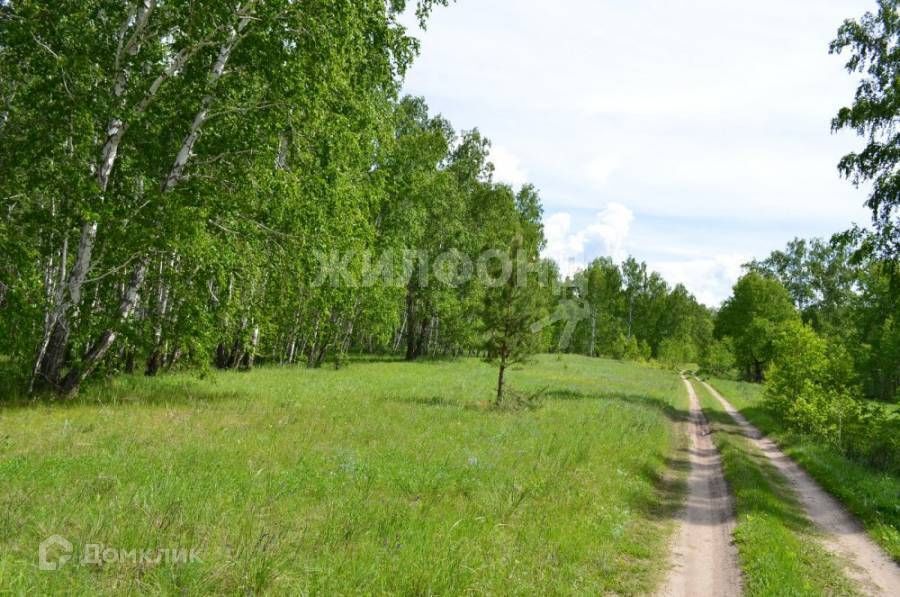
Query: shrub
pixel 718 358
pixel 676 351
pixel 810 389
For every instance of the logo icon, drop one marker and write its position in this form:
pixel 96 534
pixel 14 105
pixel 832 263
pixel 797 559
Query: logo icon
pixel 571 312
pixel 54 552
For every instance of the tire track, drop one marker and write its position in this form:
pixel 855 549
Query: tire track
pixel 867 564
pixel 704 556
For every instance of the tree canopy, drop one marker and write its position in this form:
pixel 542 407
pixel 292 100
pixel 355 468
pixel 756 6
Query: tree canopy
pixel 873 43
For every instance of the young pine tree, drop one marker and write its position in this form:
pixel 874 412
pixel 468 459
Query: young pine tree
pixel 513 305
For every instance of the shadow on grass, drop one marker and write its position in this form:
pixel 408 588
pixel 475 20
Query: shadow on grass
pixel 427 401
pixel 670 488
pixel 127 390
pixel 482 406
pixel 399 359
pixel 374 358
pixel 674 414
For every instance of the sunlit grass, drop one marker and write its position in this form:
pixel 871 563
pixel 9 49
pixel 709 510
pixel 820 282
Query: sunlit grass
pixel 379 478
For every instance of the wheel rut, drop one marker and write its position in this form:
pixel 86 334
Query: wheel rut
pixel 704 558
pixel 843 535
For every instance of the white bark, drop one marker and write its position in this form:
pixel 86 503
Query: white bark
pixel 114 133
pixel 399 337
pixel 283 147
pixel 82 262
pixel 174 67
pixel 133 45
pixel 130 296
pixel 56 319
pixel 176 173
pixel 136 20
pixel 51 314
pixel 254 344
pixel 116 128
pixel 96 353
pixel 291 351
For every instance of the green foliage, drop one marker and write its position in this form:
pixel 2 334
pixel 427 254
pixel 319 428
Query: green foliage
pixel 513 305
pixel 868 491
pixel 850 297
pixel 758 306
pixel 874 45
pixel 627 312
pixel 718 358
pixel 210 152
pixel 176 183
pixel 201 163
pixel 809 390
pixel 800 367
pixel 677 351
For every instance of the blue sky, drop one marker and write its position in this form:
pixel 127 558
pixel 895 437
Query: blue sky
pixel 693 135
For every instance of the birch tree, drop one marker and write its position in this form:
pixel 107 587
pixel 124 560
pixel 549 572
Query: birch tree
pixel 134 131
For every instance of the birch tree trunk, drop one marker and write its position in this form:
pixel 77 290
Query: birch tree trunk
pixel 98 350
pixel 176 173
pixel 67 298
pixel 50 365
pixel 52 352
pixel 254 345
pixel 593 330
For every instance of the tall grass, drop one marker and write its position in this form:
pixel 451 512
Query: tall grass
pixel 383 477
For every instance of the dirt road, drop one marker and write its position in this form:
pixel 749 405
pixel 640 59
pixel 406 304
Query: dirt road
pixel 704 557
pixel 876 573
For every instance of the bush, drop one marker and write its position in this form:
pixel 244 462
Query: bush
pixel 810 388
pixel 677 351
pixel 718 359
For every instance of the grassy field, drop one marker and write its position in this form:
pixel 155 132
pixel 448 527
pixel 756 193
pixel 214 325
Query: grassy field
pixel 383 477
pixel 872 495
pixel 777 545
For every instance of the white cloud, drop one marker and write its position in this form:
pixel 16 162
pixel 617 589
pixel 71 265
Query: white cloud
pixel 709 279
pixel 572 248
pixel 712 118
pixel 600 168
pixel 507 167
pixel 563 246
pixel 611 228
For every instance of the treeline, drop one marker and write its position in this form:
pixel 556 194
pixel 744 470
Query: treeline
pixel 242 183
pixel 167 173
pixel 818 323
pixel 627 312
pixel 848 298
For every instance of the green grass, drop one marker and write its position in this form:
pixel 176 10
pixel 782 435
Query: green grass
pixel 872 495
pixel 383 477
pixel 777 546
